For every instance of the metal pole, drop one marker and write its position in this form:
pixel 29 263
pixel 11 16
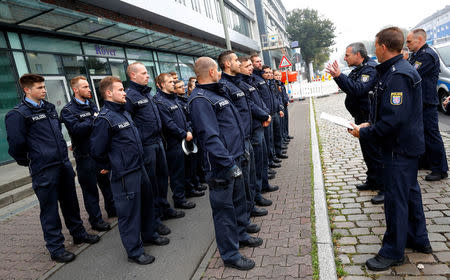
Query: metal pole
pixel 225 24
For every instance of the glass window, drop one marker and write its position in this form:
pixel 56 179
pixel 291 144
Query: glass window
pixel 8 99
pixel 73 66
pixel 118 68
pixel 168 63
pixel 97 66
pixel 14 40
pixel 139 54
pixel 39 43
pixel 2 40
pixel 186 67
pixel 21 64
pixel 41 63
pixel 103 50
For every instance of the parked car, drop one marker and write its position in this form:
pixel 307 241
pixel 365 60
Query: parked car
pixel 443 85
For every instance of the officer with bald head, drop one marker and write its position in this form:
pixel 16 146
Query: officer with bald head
pixel 218 126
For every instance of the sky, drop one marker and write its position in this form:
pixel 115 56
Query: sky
pixel 361 20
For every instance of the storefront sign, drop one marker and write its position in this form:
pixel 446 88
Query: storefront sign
pixel 101 50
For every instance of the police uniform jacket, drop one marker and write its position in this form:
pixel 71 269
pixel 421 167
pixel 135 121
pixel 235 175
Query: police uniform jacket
pixel 34 136
pixel 175 124
pixel 357 85
pixel 284 95
pixel 115 141
pixel 426 62
pixel 398 124
pixel 79 119
pixel 260 113
pixel 264 90
pixel 144 112
pixel 218 127
pixel 278 101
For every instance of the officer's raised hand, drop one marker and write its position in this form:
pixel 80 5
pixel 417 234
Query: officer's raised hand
pixel 333 69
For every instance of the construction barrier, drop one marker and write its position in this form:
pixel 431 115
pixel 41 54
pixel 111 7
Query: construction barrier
pixel 306 89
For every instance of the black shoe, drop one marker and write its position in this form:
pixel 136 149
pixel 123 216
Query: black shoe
pixel 277 160
pixel 88 238
pixel 242 264
pixel 201 187
pixel 275 165
pixel 366 187
pixel 185 205
pixel 251 242
pixel 63 257
pixel 253 228
pixel 282 156
pixel 271 171
pixel 143 259
pixel 284 147
pixel 290 137
pixel 258 212
pixel 379 263
pixel 421 249
pixel 283 152
pixel 195 193
pixel 172 214
pixel 270 176
pixel 378 199
pixel 436 176
pixel 163 230
pixel 270 188
pixel 262 201
pixel 101 226
pixel 160 241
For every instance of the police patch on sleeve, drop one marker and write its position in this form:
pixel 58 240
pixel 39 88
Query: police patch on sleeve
pixel 417 64
pixel 365 78
pixel 396 98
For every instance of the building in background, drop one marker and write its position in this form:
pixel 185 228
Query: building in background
pixel 61 39
pixel 272 23
pixel 437 26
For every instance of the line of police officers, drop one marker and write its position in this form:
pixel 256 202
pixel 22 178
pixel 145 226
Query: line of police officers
pixel 134 144
pixel 394 105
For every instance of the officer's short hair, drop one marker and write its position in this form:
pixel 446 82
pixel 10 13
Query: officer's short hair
pixel 173 73
pixel 265 67
pixel 132 67
pixel 420 32
pixel 106 84
pixel 358 47
pixel 192 78
pixel 243 58
pixel 392 38
pixel 162 78
pixel 224 57
pixel 75 80
pixel 27 80
pixel 253 56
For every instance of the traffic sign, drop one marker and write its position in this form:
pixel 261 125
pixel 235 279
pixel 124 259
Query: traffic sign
pixel 284 62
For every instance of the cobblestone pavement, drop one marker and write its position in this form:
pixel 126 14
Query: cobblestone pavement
pixel 357 224
pixel 22 248
pixel 286 230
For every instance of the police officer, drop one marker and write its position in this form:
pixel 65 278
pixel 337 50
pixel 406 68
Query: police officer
pixel 116 146
pixel 175 129
pixel 35 140
pixel 267 97
pixel 146 117
pixel 285 98
pixel 426 62
pixel 78 117
pixel 219 129
pixel 357 86
pixel 229 63
pixel 398 127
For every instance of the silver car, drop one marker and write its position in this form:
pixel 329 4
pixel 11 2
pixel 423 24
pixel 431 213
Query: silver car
pixel 443 85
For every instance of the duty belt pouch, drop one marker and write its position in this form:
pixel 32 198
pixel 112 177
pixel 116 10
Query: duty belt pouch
pixel 218 184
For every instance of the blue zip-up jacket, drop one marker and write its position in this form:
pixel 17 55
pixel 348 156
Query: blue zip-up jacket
pixel 278 99
pixel 357 85
pixel 144 112
pixel 398 124
pixel 284 95
pixel 260 113
pixel 218 127
pixel 175 124
pixel 264 90
pixel 115 141
pixel 426 62
pixel 79 120
pixel 34 136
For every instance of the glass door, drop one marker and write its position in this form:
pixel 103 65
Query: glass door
pixel 97 96
pixel 58 95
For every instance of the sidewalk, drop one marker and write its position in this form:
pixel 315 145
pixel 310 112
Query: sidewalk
pixel 286 230
pixel 358 225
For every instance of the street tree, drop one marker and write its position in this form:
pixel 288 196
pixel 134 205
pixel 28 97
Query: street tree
pixel 314 34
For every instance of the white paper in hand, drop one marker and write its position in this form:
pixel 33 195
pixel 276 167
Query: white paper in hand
pixel 336 120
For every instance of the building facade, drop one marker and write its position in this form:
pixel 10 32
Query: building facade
pixel 437 26
pixel 64 39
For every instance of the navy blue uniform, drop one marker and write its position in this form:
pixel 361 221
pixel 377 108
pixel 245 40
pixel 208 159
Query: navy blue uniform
pixel 79 119
pixel 146 117
pixel 426 62
pixel 285 119
pixel 116 146
pixel 357 86
pixel 218 127
pixel 35 140
pixel 398 127
pixel 175 129
pixel 277 122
